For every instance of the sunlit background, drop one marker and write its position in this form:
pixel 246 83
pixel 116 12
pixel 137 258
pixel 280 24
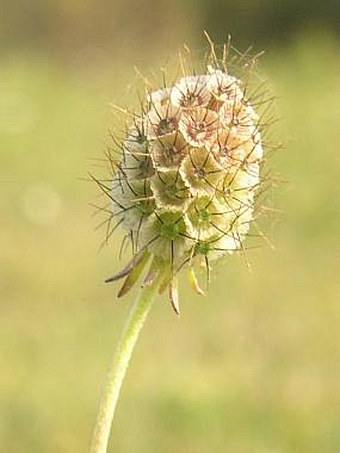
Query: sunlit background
pixel 252 368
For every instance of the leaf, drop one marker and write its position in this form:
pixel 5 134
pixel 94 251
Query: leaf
pixel 128 268
pixel 134 274
pixel 173 293
pixel 194 282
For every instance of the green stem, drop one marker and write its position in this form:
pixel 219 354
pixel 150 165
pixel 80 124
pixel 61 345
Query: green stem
pixel 117 371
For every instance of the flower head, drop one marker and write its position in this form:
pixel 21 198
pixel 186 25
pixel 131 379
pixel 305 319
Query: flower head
pixel 185 187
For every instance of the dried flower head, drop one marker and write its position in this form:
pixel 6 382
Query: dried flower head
pixel 185 185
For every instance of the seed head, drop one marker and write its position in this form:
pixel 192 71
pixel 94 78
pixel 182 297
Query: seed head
pixel 184 187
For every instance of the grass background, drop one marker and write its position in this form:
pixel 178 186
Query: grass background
pixel 254 367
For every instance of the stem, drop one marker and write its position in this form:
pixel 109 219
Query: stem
pixel 117 371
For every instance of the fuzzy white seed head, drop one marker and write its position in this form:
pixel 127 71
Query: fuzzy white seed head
pixel 185 187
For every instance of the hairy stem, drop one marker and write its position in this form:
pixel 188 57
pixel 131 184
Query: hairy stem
pixel 117 371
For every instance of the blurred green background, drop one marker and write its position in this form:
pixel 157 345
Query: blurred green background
pixel 254 367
